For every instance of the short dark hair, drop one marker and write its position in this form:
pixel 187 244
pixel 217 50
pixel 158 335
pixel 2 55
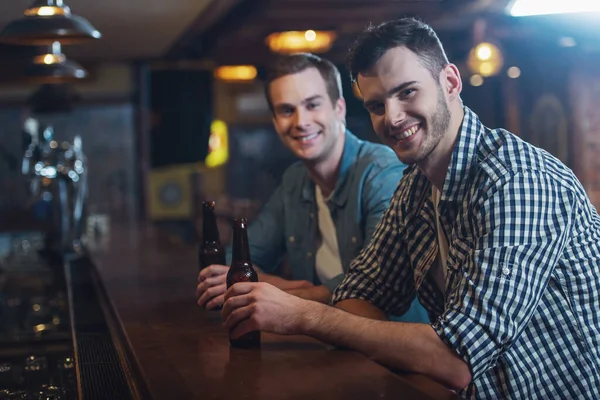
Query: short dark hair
pixel 298 62
pixel 411 33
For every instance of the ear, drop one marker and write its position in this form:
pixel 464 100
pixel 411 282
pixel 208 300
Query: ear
pixel 340 109
pixel 451 81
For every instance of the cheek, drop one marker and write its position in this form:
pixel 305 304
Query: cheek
pixel 378 123
pixel 282 127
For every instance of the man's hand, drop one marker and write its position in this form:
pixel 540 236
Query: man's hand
pixel 260 306
pixel 211 286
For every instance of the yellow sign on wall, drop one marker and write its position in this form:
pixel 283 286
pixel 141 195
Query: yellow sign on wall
pixel 218 145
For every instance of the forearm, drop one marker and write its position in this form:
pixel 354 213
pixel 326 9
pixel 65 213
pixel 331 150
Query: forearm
pixel 405 346
pixel 316 293
pixel 361 308
pixel 279 282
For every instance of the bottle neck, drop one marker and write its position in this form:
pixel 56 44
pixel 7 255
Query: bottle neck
pixel 210 232
pixel 241 246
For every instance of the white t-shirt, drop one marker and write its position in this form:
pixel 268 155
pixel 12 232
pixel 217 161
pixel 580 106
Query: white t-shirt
pixel 438 269
pixel 328 262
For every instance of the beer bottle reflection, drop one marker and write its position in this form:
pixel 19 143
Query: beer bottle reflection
pixel 241 270
pixel 211 252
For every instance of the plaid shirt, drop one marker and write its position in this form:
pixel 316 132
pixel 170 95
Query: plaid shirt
pixel 522 293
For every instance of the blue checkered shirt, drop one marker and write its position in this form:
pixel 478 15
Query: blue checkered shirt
pixel 521 304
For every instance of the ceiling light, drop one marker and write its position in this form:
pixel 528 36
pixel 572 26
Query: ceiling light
pixel 485 59
pixel 522 8
pixel 236 73
pixel 476 80
pixel 47 21
pixel 513 72
pixel 53 67
pixel 301 41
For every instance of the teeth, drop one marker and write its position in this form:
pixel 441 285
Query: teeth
pixel 307 138
pixel 408 132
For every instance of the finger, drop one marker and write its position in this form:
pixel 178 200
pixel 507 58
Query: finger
pixel 215 303
pixel 240 288
pixel 235 302
pixel 210 282
pixel 210 293
pixel 238 315
pixel 212 270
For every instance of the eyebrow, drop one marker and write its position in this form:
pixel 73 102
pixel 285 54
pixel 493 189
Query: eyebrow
pixel 305 101
pixel 312 98
pixel 391 92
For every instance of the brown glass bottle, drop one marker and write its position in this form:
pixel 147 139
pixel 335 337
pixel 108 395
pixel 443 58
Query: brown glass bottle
pixel 241 270
pixel 211 252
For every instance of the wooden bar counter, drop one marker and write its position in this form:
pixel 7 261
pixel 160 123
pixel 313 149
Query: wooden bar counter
pixel 177 350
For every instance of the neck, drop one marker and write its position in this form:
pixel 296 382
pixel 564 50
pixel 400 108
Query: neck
pixel 325 172
pixel 435 166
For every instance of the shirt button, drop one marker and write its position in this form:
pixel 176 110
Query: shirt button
pixel 309 254
pixel 292 239
pixel 353 239
pixel 312 215
pixel 506 271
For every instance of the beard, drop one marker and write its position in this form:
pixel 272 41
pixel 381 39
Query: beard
pixel 437 127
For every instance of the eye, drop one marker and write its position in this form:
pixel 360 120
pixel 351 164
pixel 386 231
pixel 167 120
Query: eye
pixel 407 93
pixel 285 111
pixel 313 105
pixel 377 108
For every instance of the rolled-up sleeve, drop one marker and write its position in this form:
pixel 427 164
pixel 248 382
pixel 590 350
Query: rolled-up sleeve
pixel 521 230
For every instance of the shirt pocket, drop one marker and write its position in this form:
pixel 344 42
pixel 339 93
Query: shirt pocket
pixel 458 252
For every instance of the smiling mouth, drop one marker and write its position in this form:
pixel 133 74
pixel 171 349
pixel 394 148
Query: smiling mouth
pixel 307 137
pixel 405 134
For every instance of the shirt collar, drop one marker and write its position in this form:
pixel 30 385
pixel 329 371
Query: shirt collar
pixel 342 190
pixel 456 183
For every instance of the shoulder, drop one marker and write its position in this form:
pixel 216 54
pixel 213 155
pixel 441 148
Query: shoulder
pixel 502 156
pixel 377 157
pixel 294 176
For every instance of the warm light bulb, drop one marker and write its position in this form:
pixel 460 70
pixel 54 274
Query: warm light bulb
pixel 476 80
pixel 45 11
pixel 236 73
pixel 310 35
pixel 49 59
pixel 484 52
pixel 513 72
pixel 486 69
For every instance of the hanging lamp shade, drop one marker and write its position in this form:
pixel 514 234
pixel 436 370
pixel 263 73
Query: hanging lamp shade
pixel 53 67
pixel 47 21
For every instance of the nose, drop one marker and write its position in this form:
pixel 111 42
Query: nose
pixel 301 119
pixel 394 113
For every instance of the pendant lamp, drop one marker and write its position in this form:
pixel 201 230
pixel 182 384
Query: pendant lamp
pixel 47 21
pixel 53 67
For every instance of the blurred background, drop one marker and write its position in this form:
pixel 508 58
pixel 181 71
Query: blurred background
pixel 166 107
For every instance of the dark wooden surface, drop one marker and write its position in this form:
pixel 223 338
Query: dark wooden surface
pixel 183 351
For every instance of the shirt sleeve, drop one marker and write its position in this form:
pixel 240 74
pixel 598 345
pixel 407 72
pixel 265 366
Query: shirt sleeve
pixel 381 274
pixel 520 228
pixel 265 235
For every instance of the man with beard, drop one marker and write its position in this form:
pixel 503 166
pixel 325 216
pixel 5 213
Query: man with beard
pixel 328 204
pixel 496 237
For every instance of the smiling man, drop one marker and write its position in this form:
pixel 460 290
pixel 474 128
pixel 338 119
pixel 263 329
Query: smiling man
pixel 497 238
pixel 328 204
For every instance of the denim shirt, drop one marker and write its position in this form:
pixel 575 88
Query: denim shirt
pixel 288 223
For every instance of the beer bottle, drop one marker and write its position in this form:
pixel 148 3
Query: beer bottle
pixel 241 270
pixel 211 251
